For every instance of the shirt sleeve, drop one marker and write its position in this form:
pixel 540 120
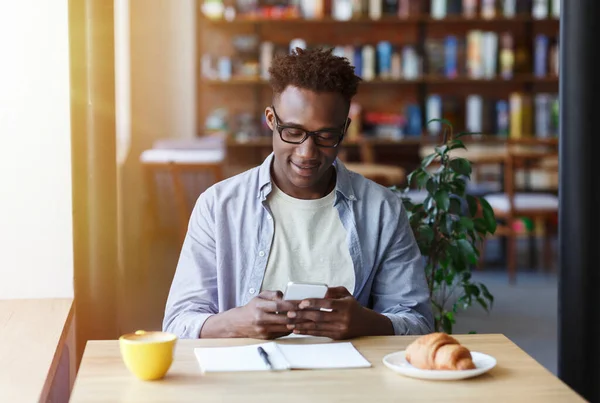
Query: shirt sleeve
pixel 193 295
pixel 400 289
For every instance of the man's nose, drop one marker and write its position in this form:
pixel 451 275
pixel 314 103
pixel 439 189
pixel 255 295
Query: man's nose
pixel 307 149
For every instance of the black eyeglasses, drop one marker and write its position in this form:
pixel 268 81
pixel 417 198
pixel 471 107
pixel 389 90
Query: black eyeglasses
pixel 323 138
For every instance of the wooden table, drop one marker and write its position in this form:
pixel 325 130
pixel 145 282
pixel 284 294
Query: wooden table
pixel 33 334
pixel 517 377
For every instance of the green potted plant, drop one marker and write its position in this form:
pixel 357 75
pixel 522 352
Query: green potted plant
pixel 448 225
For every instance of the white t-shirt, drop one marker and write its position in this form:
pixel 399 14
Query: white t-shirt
pixel 309 243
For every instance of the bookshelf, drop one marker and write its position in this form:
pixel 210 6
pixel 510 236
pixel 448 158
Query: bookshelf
pixel 238 42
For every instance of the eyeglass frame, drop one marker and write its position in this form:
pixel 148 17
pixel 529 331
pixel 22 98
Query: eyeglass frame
pixel 308 133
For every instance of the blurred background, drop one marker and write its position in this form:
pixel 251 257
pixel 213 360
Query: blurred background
pixel 188 83
pixel 198 90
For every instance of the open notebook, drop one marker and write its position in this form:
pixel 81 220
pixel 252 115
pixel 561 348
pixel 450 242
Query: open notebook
pixel 282 357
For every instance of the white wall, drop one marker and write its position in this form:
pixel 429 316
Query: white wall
pixel 36 258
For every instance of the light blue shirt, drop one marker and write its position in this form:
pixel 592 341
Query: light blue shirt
pixel 226 248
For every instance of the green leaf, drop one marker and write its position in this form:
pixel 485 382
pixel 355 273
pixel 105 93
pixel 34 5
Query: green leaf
pixel 428 160
pixel 442 121
pixel 480 225
pixel 446 324
pixel 467 250
pixel 473 205
pixel 445 225
pixel 459 187
pixel 461 166
pixel 472 290
pixel 488 215
pixel 421 177
pixel 486 293
pixel 408 205
pixel 467 223
pixel 441 150
pixel 458 261
pixel 455 206
pixel 466 276
pixel 431 186
pixel 472 332
pixel 450 275
pixel 483 304
pixel 438 276
pixel 454 144
pixel 429 204
pixel 425 233
pixel 442 199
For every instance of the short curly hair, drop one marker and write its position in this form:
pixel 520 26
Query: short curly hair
pixel 316 69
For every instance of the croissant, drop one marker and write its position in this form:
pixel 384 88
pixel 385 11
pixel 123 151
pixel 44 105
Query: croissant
pixel 439 351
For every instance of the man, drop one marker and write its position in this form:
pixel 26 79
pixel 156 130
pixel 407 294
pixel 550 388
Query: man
pixel 301 216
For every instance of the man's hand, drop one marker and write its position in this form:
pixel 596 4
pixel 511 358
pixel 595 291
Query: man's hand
pixel 258 319
pixel 347 319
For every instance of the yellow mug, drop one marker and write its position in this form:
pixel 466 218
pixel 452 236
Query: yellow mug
pixel 148 355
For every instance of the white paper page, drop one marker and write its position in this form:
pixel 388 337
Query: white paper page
pixel 239 358
pixel 323 356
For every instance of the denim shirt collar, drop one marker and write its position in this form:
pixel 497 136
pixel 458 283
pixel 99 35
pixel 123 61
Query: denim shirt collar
pixel 343 183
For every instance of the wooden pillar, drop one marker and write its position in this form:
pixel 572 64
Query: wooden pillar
pixel 579 302
pixel 91 33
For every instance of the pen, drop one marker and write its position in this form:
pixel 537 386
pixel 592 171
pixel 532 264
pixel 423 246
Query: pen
pixel 265 357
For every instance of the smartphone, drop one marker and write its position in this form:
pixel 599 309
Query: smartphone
pixel 298 291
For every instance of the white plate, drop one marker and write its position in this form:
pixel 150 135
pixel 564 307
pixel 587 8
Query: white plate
pixel 397 362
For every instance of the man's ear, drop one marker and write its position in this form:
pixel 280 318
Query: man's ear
pixel 270 117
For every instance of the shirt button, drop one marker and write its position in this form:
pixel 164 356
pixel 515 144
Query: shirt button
pixel 261 253
pixel 252 291
pixel 269 217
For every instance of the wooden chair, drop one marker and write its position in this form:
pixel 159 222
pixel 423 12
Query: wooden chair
pixel 513 204
pixel 174 181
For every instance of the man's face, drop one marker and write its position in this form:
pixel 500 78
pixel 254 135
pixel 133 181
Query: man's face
pixel 301 167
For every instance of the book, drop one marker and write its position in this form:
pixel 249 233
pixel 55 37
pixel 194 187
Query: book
pixel 451 52
pixel 266 56
pixel 502 118
pixel 434 111
pixel 543 115
pixel 507 57
pixel 469 8
pixel 474 59
pixel 384 59
pixel 489 52
pixel 474 115
pixel 413 120
pixel 396 73
pixel 375 9
pixel 509 8
pixel 541 56
pixel 488 9
pixel 342 10
pixel 368 61
pixel 438 9
pixel 358 62
pixel 556 9
pixel 281 356
pixel 540 9
pixel 410 63
pixel 516 116
pixel 436 59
